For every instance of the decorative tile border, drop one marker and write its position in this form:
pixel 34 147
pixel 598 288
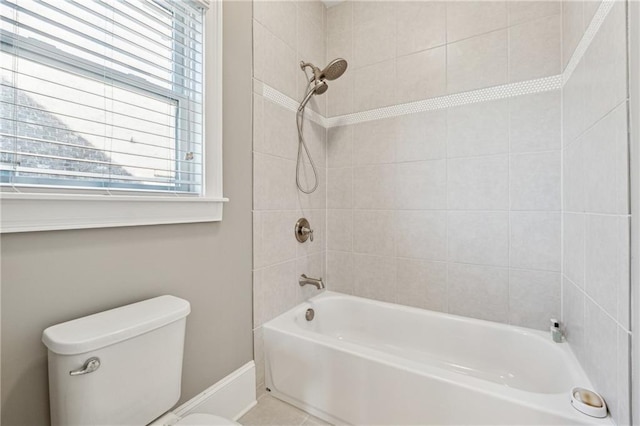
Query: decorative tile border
pixel 474 96
pixel 471 97
pixel 588 36
pixel 286 102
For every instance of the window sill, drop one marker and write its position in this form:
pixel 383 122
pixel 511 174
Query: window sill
pixel 48 212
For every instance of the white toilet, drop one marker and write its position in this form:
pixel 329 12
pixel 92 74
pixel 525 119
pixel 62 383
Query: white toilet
pixel 120 367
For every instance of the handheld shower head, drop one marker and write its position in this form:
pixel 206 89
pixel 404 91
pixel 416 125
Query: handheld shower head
pixel 318 88
pixel 334 70
pixel 317 85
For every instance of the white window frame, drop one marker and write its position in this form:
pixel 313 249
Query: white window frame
pixel 47 211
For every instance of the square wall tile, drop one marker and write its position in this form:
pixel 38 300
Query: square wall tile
pixel 374 232
pixel 421 185
pixel 274 186
pixel 375 277
pixel 421 26
pixel 277 242
pixel 340 18
pixel 340 230
pixel 523 11
pixel 382 77
pixel 340 273
pixel 374 187
pixel 374 41
pixel 573 105
pixel 479 292
pixel 573 319
pixel 421 234
pixel 573 180
pixel 478 129
pixel 279 135
pixel 422 136
pixel 606 245
pixel 478 183
pixel 374 142
pixel 535 240
pixel 601 353
pixel 422 284
pixel 535 121
pixel 535 181
pixel 312 40
pixel 279 289
pixel 534 298
pixel 606 158
pixel 279 17
pixel 340 146
pixel 470 18
pixel 340 188
pixel 534 49
pixel 479 238
pixel 606 66
pixel 623 416
pixel 340 99
pixel 421 75
pixel 573 247
pixel 270 53
pixel 477 62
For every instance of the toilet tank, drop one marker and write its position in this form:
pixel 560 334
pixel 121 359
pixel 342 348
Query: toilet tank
pixel 139 347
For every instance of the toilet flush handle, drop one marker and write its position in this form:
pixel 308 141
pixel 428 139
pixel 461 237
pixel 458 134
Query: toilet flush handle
pixel 90 365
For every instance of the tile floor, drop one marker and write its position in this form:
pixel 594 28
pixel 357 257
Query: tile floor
pixel 272 411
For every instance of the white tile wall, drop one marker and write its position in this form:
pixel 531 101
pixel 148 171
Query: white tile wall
pixel 595 190
pixel 479 292
pixel 285 33
pixel 477 62
pixel 534 298
pixel 438 191
pixel 406 51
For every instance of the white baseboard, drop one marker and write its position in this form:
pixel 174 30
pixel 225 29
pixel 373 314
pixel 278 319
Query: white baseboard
pixel 230 398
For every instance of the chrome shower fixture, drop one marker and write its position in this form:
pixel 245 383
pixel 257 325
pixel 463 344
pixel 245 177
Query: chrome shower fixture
pixel 334 70
pixel 316 85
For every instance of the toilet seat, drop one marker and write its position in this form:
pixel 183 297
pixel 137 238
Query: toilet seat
pixel 205 420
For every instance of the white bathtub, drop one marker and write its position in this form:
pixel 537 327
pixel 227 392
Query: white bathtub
pixel 365 362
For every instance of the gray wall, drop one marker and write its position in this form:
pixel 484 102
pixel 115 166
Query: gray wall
pixel 49 277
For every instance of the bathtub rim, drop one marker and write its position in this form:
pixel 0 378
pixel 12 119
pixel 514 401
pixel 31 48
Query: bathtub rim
pixel 550 403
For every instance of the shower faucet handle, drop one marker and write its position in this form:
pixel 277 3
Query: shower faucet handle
pixel 303 230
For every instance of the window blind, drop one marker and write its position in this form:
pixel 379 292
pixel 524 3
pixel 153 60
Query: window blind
pixel 102 94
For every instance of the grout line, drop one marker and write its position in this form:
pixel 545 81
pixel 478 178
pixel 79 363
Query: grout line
pixel 592 300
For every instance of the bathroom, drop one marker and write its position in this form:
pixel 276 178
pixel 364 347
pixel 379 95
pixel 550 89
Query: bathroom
pixel 475 169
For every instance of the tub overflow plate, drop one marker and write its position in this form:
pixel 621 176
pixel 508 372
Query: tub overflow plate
pixel 309 314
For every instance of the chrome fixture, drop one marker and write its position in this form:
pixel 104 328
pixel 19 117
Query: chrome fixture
pixel 303 231
pixel 316 85
pixel 90 365
pixel 556 333
pixel 309 314
pixel 304 280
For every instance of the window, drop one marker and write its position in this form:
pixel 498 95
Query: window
pixel 104 101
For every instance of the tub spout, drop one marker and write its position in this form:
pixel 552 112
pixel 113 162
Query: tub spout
pixel 304 280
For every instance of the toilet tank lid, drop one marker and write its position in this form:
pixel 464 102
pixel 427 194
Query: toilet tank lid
pixel 109 327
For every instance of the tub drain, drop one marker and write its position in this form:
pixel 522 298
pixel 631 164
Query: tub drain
pixel 309 314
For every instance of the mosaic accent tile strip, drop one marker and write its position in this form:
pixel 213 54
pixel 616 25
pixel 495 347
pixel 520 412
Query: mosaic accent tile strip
pixel 292 105
pixel 590 33
pixel 471 97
